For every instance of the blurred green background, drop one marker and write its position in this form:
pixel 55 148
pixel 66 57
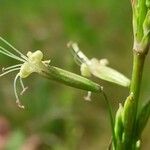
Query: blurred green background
pixel 56 116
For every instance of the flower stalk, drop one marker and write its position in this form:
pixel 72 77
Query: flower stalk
pixel 141 30
pixel 129 121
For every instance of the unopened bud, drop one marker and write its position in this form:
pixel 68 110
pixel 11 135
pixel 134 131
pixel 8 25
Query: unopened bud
pixel 118 123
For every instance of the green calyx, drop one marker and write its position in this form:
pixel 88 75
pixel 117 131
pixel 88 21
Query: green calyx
pixel 70 79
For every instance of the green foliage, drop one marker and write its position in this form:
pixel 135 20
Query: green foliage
pixel 16 139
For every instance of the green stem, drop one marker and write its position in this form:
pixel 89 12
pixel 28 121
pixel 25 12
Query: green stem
pixel 138 64
pixel 111 117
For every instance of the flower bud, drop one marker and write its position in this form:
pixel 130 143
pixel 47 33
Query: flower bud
pixel 128 118
pixel 146 24
pixel 118 123
pixel 141 25
pixel 138 145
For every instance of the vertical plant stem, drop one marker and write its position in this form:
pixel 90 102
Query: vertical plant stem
pixel 138 64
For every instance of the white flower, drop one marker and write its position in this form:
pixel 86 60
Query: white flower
pixel 97 68
pixel 29 64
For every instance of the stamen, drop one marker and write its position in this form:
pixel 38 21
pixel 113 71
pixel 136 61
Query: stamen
pixel 23 87
pixel 88 96
pixel 78 54
pixel 15 69
pixel 22 55
pixel 46 62
pixel 16 95
pixel 77 60
pixel 11 67
pixel 5 52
